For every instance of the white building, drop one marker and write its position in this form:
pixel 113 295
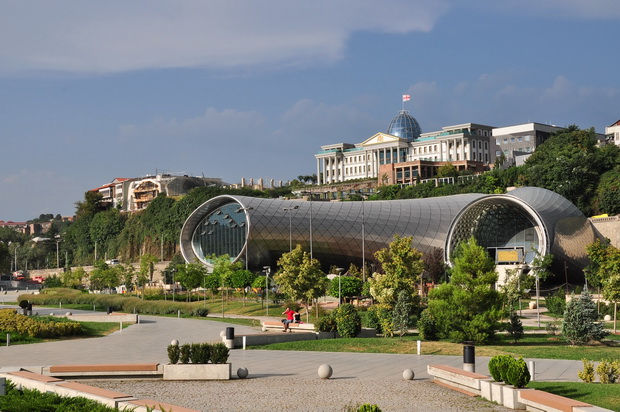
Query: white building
pixel 405 144
pixel 612 133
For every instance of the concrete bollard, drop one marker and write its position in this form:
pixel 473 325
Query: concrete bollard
pixel 243 342
pixel 325 371
pixel 532 368
pixel 8 339
pixel 419 347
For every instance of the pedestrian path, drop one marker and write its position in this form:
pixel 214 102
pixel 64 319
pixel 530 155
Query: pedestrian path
pixel 148 340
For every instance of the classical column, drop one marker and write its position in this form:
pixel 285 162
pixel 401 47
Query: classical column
pixel 318 170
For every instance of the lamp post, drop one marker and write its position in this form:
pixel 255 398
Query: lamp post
pixel 267 272
pixel 339 270
pixel 174 286
pixel 290 226
pixel 363 241
pixel 247 236
pixel 57 237
pixel 310 193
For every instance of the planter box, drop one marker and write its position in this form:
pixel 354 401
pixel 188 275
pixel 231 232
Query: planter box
pixel 497 390
pixel 510 397
pixel 486 390
pixel 197 372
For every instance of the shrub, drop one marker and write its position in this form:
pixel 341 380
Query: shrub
pixel 173 354
pixel 386 320
pixel 43 327
pixel 427 326
pixel 325 323
pixel 404 313
pixel 219 353
pixel 200 352
pixel 185 351
pixel 201 312
pixel 580 324
pixel 517 373
pixel 556 303
pixel 498 367
pixel 348 321
pixel 372 319
pixel 587 374
pixel 608 371
pixel 367 407
pixel 515 327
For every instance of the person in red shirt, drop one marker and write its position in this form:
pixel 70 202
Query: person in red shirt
pixel 290 315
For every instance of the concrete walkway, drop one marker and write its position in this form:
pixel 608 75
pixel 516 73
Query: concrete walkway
pixel 147 342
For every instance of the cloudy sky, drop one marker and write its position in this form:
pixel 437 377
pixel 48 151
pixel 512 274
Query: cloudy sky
pixel 93 90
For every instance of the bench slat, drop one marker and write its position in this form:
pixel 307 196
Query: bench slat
pixel 458 371
pixel 128 367
pixel 94 390
pixel 549 399
pixel 35 376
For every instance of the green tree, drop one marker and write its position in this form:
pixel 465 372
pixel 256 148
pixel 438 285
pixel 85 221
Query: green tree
pixel 468 307
pixel 241 279
pixel 447 170
pixel 147 266
pixel 608 193
pixel 434 265
pixel 224 268
pixel 104 276
pixel 580 324
pixel 404 314
pixel 190 276
pixel 604 270
pixel 569 163
pixel 74 278
pixel 5 258
pixel 349 286
pixel 300 277
pixel 402 267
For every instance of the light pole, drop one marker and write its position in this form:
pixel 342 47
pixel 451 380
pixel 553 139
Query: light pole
pixel 247 236
pixel 174 286
pixel 290 225
pixel 363 241
pixel 267 272
pixel 57 237
pixel 339 270
pixel 310 193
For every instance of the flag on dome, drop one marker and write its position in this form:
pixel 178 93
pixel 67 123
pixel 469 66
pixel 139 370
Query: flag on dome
pixel 406 97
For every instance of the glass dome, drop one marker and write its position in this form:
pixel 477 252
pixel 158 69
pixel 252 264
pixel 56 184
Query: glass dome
pixel 221 232
pixel 404 125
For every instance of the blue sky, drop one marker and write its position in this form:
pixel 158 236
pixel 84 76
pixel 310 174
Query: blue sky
pixel 93 90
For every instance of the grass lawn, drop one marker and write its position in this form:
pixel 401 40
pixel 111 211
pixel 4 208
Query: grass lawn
pixel 602 395
pixel 532 346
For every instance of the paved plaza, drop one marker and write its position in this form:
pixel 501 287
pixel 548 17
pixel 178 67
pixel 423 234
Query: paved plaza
pixel 279 380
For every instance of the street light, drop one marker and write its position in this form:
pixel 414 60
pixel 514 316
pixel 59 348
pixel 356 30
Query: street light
pixel 247 236
pixel 339 270
pixel 310 193
pixel 267 272
pixel 290 225
pixel 57 237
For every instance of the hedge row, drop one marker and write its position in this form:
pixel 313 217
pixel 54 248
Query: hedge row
pixel 10 321
pixel 129 304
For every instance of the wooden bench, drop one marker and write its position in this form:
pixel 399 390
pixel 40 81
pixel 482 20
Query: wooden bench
pixel 105 396
pixel 90 370
pixel 293 327
pixel 31 380
pixel 536 400
pixel 144 405
pixel 457 378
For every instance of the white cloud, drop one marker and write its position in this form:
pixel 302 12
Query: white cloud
pixel 88 36
pixel 572 9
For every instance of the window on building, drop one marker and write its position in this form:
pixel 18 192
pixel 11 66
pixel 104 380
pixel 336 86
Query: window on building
pixel 527 138
pixel 512 140
pixel 486 145
pixel 519 139
pixel 505 140
pixel 497 142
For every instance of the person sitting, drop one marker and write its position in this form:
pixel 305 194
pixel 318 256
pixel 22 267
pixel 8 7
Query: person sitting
pixel 290 314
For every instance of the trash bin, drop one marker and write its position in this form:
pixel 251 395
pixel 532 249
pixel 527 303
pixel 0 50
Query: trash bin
pixel 469 356
pixel 230 338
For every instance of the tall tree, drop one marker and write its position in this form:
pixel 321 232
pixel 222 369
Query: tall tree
pixel 190 276
pixel 402 267
pixel 468 307
pixel 300 277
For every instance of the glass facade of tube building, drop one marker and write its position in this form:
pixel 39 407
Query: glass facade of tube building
pixel 511 226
